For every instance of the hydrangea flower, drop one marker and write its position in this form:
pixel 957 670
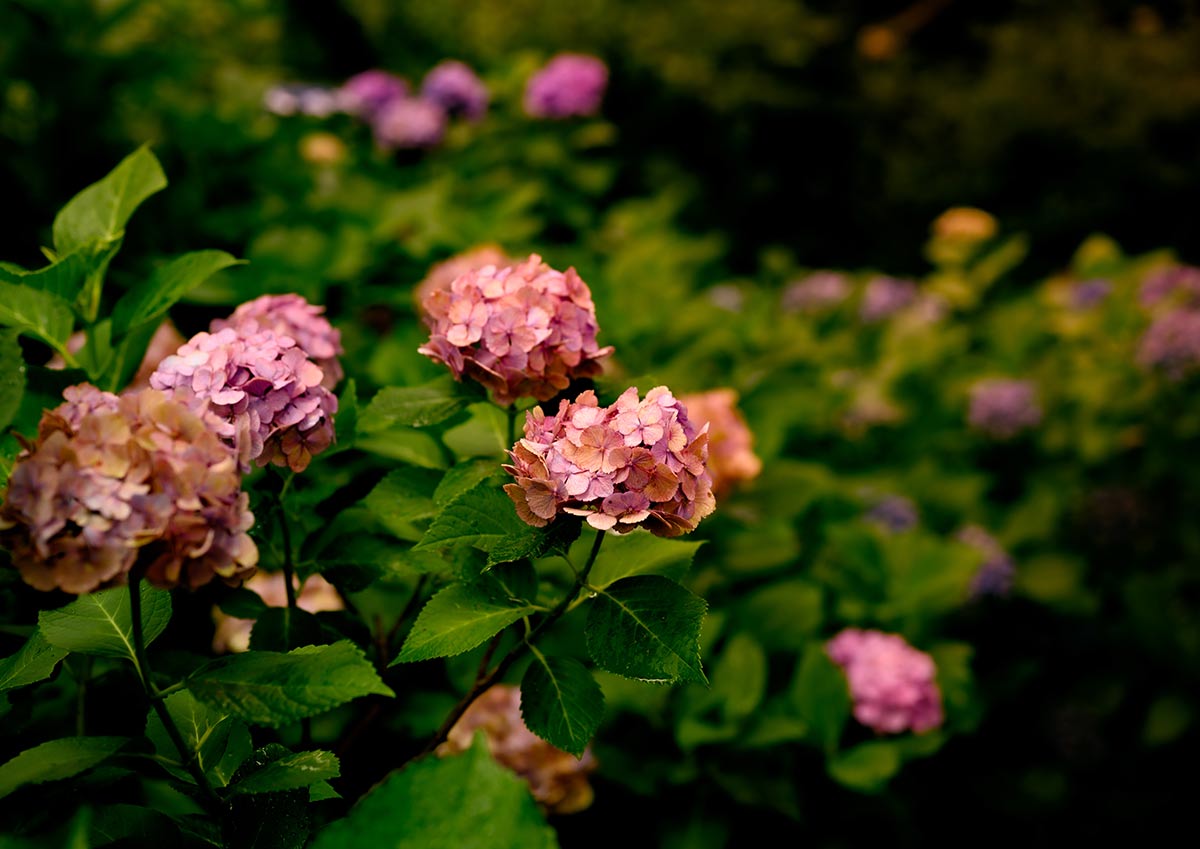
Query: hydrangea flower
pixel 884 297
pixel 570 84
pixel 444 273
pixel 301 99
pixel 1003 408
pixel 636 463
pixel 410 122
pixel 266 394
pixel 893 686
pixel 1172 344
pixel 819 291
pixel 113 482
pixel 456 88
pixel 523 331
pixel 1174 281
pixel 291 315
pixel 731 457
pixel 365 94
pixel 557 779
pixel 894 513
pixel 995 575
pixel 316 595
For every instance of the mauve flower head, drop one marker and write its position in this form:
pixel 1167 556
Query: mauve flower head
pixel 885 296
pixel 316 595
pixel 894 513
pixel 408 123
pixel 456 88
pixel 1179 282
pixel 1003 408
pixel 291 315
pixel 441 275
pixel 638 463
pixel 365 94
pixel 819 291
pixel 301 99
pixel 995 575
pixel 113 482
pixel 570 84
pixel 1172 344
pixel 1088 293
pixel 893 686
pixel 731 457
pixel 523 331
pixel 266 394
pixel 557 779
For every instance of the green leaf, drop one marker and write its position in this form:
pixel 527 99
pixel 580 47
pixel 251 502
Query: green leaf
pixel 467 801
pixel 647 627
pixel 636 553
pixel 481 516
pixel 783 615
pixel 405 495
pixel 99 623
pixel 531 542
pixel 561 702
pixel 219 741
pixel 821 696
pixel 290 772
pixel 274 689
pixel 463 477
pixel 242 604
pixel 12 377
pixel 345 421
pixel 867 767
pixel 459 618
pixel 41 314
pixel 739 679
pixel 64 277
pixel 148 301
pixel 99 212
pixel 414 406
pixel 57 759
pixel 321 791
pixel 34 661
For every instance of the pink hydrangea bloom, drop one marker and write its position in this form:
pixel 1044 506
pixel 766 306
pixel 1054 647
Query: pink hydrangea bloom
pixel 456 88
pixel 731 457
pixel 1172 344
pixel 365 94
pixel 113 482
pixel 291 315
pixel 819 291
pixel 316 595
pixel 266 393
pixel 1180 283
pixel 1002 408
pixel 638 463
pixel 893 686
pixel 884 297
pixel 557 779
pixel 441 275
pixel 523 331
pixel 570 84
pixel 410 122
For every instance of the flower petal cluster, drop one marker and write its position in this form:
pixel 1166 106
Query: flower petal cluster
pixel 409 123
pixel 638 463
pixel 731 457
pixel 1089 293
pixel 894 513
pixel 113 482
pixel 1177 282
pixel 524 330
pixel 457 89
pixel 570 84
pixel 1172 344
pixel 291 315
pixel 365 94
pixel 995 575
pixel 1002 408
pixel 316 595
pixel 301 99
pixel 884 297
pixel 441 275
pixel 266 394
pixel 557 779
pixel 892 685
pixel 818 291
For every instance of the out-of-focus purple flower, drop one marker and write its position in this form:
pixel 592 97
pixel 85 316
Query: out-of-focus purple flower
pixel 366 94
pixel 301 99
pixel 408 123
pixel 731 457
pixel 558 780
pixel 885 296
pixel 291 315
pixel 893 685
pixel 894 513
pixel 819 291
pixel 1089 293
pixel 636 463
pixel 570 84
pixel 995 575
pixel 265 392
pixel 456 88
pixel 523 331
pixel 1181 282
pixel 1003 408
pixel 1172 344
pixel 111 483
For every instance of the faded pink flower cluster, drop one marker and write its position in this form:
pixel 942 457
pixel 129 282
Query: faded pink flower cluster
pixel 636 463
pixel 523 331
pixel 262 387
pixel 557 779
pixel 443 274
pixel 893 686
pixel 731 457
pixel 113 482
pixel 291 315
pixel 316 595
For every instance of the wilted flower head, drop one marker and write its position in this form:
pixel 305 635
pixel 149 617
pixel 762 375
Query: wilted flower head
pixel 1088 293
pixel 1003 408
pixel 410 122
pixel 820 290
pixel 964 224
pixel 265 392
pixel 636 463
pixel 893 686
pixel 1180 282
pixel 995 575
pixel 456 88
pixel 293 316
pixel 367 93
pixel 316 595
pixel 113 482
pixel 558 780
pixel 1172 344
pixel 523 331
pixel 301 99
pixel 731 457
pixel 885 296
pixel 444 273
pixel 570 84
pixel 894 513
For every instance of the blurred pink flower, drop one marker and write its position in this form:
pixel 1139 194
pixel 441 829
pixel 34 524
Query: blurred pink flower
pixel 893 686
pixel 316 596
pixel 570 84
pixel 1172 344
pixel 731 457
pixel 1002 408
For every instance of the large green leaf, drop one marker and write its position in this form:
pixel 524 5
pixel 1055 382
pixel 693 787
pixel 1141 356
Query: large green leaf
pixel 99 212
pixel 821 695
pixel 150 299
pixel 561 702
pixel 100 622
pixel 459 618
pixel 482 516
pixel 56 759
pixel 34 661
pixel 466 475
pixel 289 772
pixel 218 741
pixel 414 406
pixel 274 689
pixel 647 627
pixel 37 313
pixel 403 496
pixel 530 542
pixel 467 801
pixel 867 767
pixel 637 553
pixel 12 377
pixel 63 277
pixel 739 679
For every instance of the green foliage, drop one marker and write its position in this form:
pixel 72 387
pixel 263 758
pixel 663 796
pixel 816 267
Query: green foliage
pixel 459 618
pixel 820 696
pixel 561 702
pixel 149 301
pixel 12 377
pixel 100 212
pixel 35 661
pixel 289 771
pixel 483 516
pixel 218 742
pixel 414 406
pixel 100 623
pixel 57 759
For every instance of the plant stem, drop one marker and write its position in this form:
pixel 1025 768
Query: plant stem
pixel 512 426
pixel 483 683
pixel 85 675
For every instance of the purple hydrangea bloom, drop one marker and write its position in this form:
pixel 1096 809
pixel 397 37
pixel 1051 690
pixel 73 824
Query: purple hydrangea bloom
pixel 995 575
pixel 885 296
pixel 1089 293
pixel 456 88
pixel 570 84
pixel 291 315
pixel 301 99
pixel 1172 344
pixel 1181 281
pixel 1003 408
pixel 893 685
pixel 894 513
pixel 366 94
pixel 410 122
pixel 818 291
